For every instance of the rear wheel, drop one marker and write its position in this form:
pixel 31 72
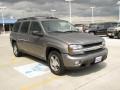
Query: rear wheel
pixel 119 35
pixel 16 51
pixel 56 63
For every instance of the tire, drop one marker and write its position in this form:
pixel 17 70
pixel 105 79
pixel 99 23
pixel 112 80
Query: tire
pixel 55 63
pixel 111 36
pixel 118 35
pixel 16 51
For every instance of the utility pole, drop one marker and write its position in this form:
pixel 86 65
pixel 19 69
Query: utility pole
pixel 92 17
pixel 52 12
pixel 3 22
pixel 118 3
pixel 70 9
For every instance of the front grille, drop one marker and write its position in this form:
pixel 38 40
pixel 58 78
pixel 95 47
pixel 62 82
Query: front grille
pixel 111 30
pixel 92 45
pixel 93 51
pixel 90 52
pixel 92 48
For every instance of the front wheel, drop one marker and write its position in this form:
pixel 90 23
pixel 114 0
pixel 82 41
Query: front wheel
pixel 56 63
pixel 111 36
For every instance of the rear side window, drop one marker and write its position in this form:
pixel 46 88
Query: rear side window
pixel 16 27
pixel 24 27
pixel 35 26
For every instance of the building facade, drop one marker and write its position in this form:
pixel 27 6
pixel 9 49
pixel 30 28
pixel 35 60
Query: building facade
pixel 8 24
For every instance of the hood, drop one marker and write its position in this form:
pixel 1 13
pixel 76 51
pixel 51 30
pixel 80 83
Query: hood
pixel 76 38
pixel 113 28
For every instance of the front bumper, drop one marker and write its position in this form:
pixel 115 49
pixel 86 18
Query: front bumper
pixel 84 60
pixel 112 33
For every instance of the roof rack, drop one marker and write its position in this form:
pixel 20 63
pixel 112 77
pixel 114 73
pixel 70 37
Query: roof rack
pixel 37 17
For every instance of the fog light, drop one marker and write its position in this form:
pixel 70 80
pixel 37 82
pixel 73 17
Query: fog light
pixel 77 63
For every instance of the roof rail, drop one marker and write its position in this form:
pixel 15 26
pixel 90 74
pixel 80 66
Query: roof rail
pixel 37 17
pixel 51 18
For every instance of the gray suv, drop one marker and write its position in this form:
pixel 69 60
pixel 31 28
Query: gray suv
pixel 58 42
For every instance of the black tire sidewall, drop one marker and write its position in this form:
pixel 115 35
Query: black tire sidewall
pixel 111 36
pixel 61 69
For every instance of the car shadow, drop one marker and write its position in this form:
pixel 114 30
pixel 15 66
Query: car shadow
pixel 86 70
pixel 73 72
pixel 35 59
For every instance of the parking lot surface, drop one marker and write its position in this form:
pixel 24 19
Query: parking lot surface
pixel 104 76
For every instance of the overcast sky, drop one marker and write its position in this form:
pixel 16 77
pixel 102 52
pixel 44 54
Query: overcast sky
pixel 80 8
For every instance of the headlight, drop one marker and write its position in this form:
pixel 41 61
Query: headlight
pixel 75 49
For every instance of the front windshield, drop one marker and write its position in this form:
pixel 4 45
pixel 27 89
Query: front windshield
pixel 58 26
pixel 114 24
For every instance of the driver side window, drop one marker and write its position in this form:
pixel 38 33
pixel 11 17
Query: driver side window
pixel 35 26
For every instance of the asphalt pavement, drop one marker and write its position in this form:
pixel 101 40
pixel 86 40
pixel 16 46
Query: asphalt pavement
pixel 103 76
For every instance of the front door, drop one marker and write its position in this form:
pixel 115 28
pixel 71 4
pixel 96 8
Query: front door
pixel 36 43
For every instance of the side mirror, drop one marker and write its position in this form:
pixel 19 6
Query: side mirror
pixel 37 33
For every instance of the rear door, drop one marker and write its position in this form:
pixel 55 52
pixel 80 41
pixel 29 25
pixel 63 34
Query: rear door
pixel 23 35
